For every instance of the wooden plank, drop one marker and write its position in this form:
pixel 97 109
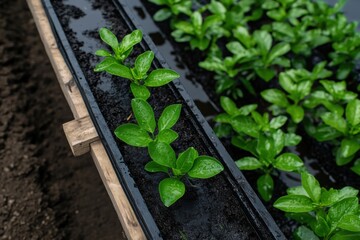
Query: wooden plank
pixel 64 76
pixel 80 133
pixel 122 205
pixel 117 195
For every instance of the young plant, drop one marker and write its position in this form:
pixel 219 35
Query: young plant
pixel 120 50
pixel 188 164
pixel 298 85
pixel 263 139
pixel 172 8
pixel 324 214
pixel 138 75
pixel 199 32
pixel 335 126
pixel 157 137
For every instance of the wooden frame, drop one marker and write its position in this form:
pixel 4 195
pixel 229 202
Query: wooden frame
pixel 80 132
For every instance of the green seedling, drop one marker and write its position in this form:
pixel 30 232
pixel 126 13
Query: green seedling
pixel 148 129
pixel 333 95
pixel 172 8
pixel 157 137
pixel 120 50
pixel 139 75
pixel 346 128
pixel 298 85
pixel 263 139
pixel 199 32
pixel 324 214
pixel 188 164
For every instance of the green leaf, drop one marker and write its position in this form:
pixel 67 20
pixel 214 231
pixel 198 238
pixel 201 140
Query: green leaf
pixel 296 113
pixel 160 77
pixel 143 63
pixel 167 136
pixel 186 160
pixel 144 114
pixel 279 141
pixel 276 97
pixel 335 121
pixel 263 40
pixel 266 148
pixel 205 167
pixel 154 167
pixel 242 34
pixel 311 186
pixel 162 153
pixel 228 105
pixel 348 148
pixel 278 50
pixel 248 163
pixel 299 190
pixel 332 196
pixel 119 70
pixel 304 233
pixel 171 190
pixel 133 135
pixel 294 203
pixel 246 125
pixel 130 40
pixel 345 207
pixel 356 167
pixel 278 122
pixel 197 20
pixel 291 139
pixel 162 14
pixel 265 73
pixel 353 112
pixel 109 38
pixel 345 235
pixel 350 222
pixel 140 91
pixel 102 53
pixel 169 116
pixel 288 162
pixel 104 64
pixel 321 227
pixel 265 186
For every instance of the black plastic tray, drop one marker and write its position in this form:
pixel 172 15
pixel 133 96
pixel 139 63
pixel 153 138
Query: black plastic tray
pixel 255 211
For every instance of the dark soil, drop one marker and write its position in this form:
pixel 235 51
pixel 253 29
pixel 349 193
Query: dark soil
pixel 209 209
pixel 45 192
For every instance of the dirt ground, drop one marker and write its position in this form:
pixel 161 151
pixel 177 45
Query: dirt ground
pixel 45 192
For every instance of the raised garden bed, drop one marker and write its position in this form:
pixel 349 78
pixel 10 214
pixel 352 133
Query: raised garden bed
pixel 76 25
pixel 225 203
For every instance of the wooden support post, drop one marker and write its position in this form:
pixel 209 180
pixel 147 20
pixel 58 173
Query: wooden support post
pixel 80 133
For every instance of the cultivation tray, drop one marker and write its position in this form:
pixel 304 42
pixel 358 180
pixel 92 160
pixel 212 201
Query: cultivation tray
pixel 91 124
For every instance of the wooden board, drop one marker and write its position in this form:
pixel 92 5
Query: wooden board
pixel 88 134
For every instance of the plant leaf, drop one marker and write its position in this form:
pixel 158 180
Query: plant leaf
pixel 130 40
pixel 143 63
pixel 265 186
pixel 171 190
pixel 119 70
pixel 104 64
pixel 340 209
pixel 311 186
pixel 294 203
pixel 345 235
pixel 160 77
pixel 264 41
pixel 144 114
pixel 350 222
pixel 167 136
pixel 278 50
pixel 304 233
pixel 169 116
pixel 109 38
pixel 353 112
pixel 278 122
pixel 296 112
pixel 276 97
pixel 205 167
pixel 140 91
pixel 186 160
pixel 248 163
pixel 154 167
pixel 162 153
pixel 102 53
pixel 335 121
pixel 228 105
pixel 162 14
pixel 288 162
pixel 133 135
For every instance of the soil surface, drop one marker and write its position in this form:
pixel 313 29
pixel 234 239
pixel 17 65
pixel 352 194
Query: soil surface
pixel 45 192
pixel 210 208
